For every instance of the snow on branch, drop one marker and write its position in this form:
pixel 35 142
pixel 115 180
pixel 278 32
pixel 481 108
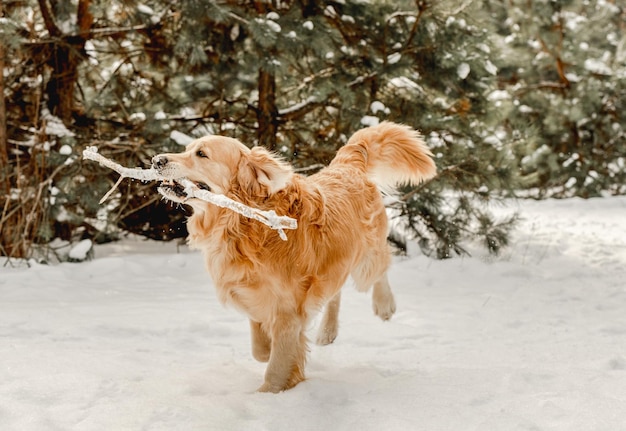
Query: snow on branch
pixel 270 218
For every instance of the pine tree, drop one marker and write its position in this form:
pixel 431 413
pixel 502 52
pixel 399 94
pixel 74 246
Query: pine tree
pixel 338 66
pixel 563 85
pixel 296 76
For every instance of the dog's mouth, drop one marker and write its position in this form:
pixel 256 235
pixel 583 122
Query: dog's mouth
pixel 172 188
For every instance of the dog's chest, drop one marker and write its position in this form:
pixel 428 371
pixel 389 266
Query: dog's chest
pixel 238 284
pixel 254 299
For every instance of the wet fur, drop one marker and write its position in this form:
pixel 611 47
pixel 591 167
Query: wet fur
pixel 342 229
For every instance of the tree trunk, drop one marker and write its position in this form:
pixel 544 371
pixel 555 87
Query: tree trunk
pixel 8 246
pixel 267 113
pixel 66 55
pixel 4 151
pixel 6 232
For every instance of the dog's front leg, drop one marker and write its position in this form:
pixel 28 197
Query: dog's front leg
pixel 288 354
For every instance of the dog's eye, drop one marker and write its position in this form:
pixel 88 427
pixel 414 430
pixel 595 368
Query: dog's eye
pixel 201 154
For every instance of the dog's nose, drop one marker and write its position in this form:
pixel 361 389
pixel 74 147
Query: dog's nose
pixel 159 161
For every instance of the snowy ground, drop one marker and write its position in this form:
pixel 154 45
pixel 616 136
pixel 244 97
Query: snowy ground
pixel 135 340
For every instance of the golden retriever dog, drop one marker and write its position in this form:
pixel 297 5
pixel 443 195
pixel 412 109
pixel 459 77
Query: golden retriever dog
pixel 342 231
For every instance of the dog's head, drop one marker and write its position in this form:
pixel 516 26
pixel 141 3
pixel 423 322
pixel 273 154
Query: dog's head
pixel 222 165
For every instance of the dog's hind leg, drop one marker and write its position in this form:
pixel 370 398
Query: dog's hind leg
pixel 383 302
pixel 330 322
pixel 261 344
pixel 373 270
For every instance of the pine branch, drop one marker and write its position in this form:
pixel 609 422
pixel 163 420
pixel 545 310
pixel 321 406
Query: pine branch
pixel 361 79
pixel 421 8
pixel 553 86
pixel 299 109
pixel 51 26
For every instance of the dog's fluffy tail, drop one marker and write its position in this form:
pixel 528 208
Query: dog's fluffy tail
pixel 389 154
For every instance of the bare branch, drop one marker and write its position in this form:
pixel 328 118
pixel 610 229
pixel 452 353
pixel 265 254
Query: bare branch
pixel 48 20
pixel 269 218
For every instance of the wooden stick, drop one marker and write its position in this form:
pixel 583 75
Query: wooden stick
pixel 269 218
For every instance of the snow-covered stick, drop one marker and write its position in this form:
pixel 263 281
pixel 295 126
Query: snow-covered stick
pixel 91 153
pixel 270 218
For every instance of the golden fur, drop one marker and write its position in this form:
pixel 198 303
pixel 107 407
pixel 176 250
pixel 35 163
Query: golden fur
pixel 342 230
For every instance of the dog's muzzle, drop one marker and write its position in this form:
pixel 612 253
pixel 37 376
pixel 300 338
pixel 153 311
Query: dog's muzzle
pixel 171 188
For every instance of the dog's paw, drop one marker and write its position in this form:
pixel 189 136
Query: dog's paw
pixel 384 307
pixel 269 388
pixel 261 355
pixel 326 336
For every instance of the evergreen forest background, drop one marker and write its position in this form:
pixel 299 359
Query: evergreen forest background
pixel 516 98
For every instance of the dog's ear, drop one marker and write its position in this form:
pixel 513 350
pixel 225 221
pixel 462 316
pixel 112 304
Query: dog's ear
pixel 259 169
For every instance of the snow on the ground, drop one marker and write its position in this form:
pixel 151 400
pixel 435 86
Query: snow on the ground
pixel 136 340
